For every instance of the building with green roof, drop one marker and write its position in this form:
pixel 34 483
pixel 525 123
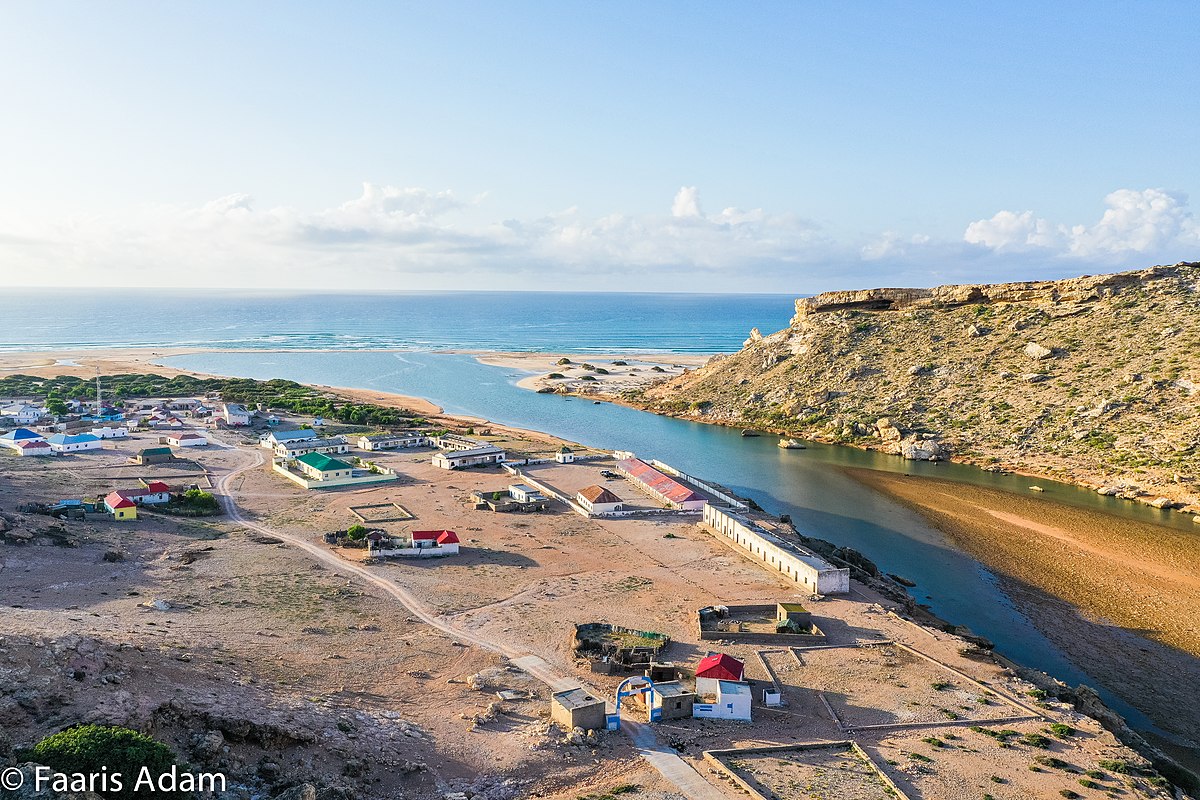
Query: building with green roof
pixel 321 467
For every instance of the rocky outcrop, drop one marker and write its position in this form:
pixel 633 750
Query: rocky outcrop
pixel 1081 380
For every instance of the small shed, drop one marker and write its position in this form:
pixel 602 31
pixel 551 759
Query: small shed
pixel 578 708
pixel 792 615
pixel 673 700
pixel 715 668
pixel 153 455
pixel 564 455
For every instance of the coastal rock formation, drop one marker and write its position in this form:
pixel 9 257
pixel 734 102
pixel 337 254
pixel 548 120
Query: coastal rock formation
pixel 1083 380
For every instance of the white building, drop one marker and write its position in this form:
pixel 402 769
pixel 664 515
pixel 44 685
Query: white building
pixel 479 456
pixel 235 414
pixel 422 544
pixel 294 449
pixel 393 441
pixel 802 566
pixel 33 447
pixel 186 439
pixel 276 438
pixel 730 700
pixel 14 439
pixel 564 455
pixel 110 432
pixel 525 494
pixel 21 414
pixel 64 443
pixel 598 500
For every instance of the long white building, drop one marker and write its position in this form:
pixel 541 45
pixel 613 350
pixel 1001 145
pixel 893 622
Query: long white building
pixel 797 564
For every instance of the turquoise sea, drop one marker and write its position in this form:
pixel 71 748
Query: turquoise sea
pixel 526 321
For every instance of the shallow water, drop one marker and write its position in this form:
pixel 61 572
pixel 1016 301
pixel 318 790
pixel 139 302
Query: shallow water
pixel 806 484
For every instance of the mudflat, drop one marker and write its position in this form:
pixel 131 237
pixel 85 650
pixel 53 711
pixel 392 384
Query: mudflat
pixel 1118 596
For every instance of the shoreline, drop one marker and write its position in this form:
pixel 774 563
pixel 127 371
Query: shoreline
pixel 139 358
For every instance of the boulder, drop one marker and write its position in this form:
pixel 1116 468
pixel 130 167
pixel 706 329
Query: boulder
pixel 755 337
pixel 1037 352
pixel 305 791
pixel 919 449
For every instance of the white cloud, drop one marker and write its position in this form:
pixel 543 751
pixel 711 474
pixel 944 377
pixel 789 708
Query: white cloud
pixel 1154 223
pixel 687 202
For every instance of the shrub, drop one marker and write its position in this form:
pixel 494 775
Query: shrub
pixel 941 685
pixel 1062 731
pixel 1088 783
pixel 356 532
pixel 1115 765
pixel 1036 740
pixel 92 748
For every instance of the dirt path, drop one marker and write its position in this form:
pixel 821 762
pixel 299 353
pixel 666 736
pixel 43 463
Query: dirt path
pixel 664 759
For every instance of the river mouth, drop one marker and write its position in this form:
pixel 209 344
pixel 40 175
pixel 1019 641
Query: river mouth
pixel 810 485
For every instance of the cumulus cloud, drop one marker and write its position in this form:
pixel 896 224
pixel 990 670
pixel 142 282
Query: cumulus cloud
pixel 687 202
pixel 1155 223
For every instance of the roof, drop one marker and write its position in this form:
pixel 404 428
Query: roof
pixel 577 698
pixel 322 462
pixel 672 689
pixel 63 438
pixel 156 451
pixel 153 487
pixel 235 408
pixel 732 687
pixel 720 666
pixel 21 433
pixel 115 500
pixel 668 487
pixel 477 451
pixel 189 435
pixel 564 449
pixel 598 494
pixel 292 436
pixel 441 537
pixel 33 444
pixel 387 437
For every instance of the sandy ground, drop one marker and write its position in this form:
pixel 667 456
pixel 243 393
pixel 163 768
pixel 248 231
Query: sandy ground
pixel 1119 596
pixel 629 371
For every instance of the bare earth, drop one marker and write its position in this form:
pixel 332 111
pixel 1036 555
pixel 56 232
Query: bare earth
pixel 1128 580
pixel 279 666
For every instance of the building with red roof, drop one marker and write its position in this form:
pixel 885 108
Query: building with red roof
pixel 443 542
pixel 33 447
pixel 660 486
pixel 120 507
pixel 721 667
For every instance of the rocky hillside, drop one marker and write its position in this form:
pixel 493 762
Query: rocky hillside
pixel 1092 380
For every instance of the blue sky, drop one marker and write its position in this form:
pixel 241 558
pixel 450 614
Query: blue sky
pixel 788 147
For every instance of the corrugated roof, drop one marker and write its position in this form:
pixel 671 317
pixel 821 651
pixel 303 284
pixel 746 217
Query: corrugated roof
pixel 720 666
pixel 666 486
pixel 441 537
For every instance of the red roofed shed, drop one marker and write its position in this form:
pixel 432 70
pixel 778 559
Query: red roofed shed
pixel 721 667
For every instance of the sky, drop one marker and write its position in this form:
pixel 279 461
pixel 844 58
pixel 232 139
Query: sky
pixel 739 147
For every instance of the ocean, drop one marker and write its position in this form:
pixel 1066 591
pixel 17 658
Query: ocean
pixel 504 321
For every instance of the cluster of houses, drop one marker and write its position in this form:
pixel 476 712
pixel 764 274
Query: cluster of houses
pixel 26 442
pixel 720 691
pixel 123 503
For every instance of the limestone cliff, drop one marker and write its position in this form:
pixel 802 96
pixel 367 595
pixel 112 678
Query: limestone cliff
pixel 1093 379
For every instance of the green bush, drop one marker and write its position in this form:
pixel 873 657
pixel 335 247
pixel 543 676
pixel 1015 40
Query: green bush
pixel 356 532
pixel 92 748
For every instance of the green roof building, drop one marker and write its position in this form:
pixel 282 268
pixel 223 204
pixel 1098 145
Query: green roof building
pixel 321 467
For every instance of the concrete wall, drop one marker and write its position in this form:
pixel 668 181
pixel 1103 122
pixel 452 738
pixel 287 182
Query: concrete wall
pixel 766 610
pixel 810 571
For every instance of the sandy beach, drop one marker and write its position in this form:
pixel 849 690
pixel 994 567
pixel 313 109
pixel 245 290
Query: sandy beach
pixel 579 376
pixel 1119 596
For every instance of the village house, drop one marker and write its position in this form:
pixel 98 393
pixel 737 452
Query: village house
pixel 393 441
pixel 320 467
pixel 728 700
pixel 335 445
pixel 716 667
pixel 235 414
pixel 110 431
pixel 67 443
pixel 153 455
pixel 478 456
pixel 564 455
pixel 120 507
pixel 186 439
pixel 525 494
pixel 276 438
pixel 660 486
pixel 671 700
pixel 34 447
pixel 150 493
pixel 21 414
pixel 13 439
pixel 598 500
pixel 418 544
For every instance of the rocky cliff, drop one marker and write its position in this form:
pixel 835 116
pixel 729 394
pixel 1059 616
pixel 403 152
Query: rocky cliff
pixel 1092 380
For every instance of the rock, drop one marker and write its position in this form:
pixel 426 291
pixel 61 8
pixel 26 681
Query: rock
pixel 1108 491
pixel 1037 352
pixel 208 745
pixel 305 791
pixel 755 337
pixel 1188 386
pixel 158 604
pixel 114 556
pixel 1035 377
pixel 975 331
pixel 1162 502
pixel 917 449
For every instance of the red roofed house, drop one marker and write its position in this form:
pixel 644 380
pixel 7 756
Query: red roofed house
pixel 444 543
pixel 120 507
pixel 34 447
pixel 598 500
pixel 717 667
pixel 150 493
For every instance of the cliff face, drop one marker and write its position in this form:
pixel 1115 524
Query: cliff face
pixel 1093 379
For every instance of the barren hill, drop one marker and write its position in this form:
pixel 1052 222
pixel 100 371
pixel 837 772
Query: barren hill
pixel 1092 380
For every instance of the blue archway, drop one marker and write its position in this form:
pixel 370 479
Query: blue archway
pixel 628 688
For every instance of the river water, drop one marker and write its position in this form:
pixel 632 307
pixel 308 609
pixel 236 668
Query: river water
pixel 821 500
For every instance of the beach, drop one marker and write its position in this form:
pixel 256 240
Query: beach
pixel 1119 595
